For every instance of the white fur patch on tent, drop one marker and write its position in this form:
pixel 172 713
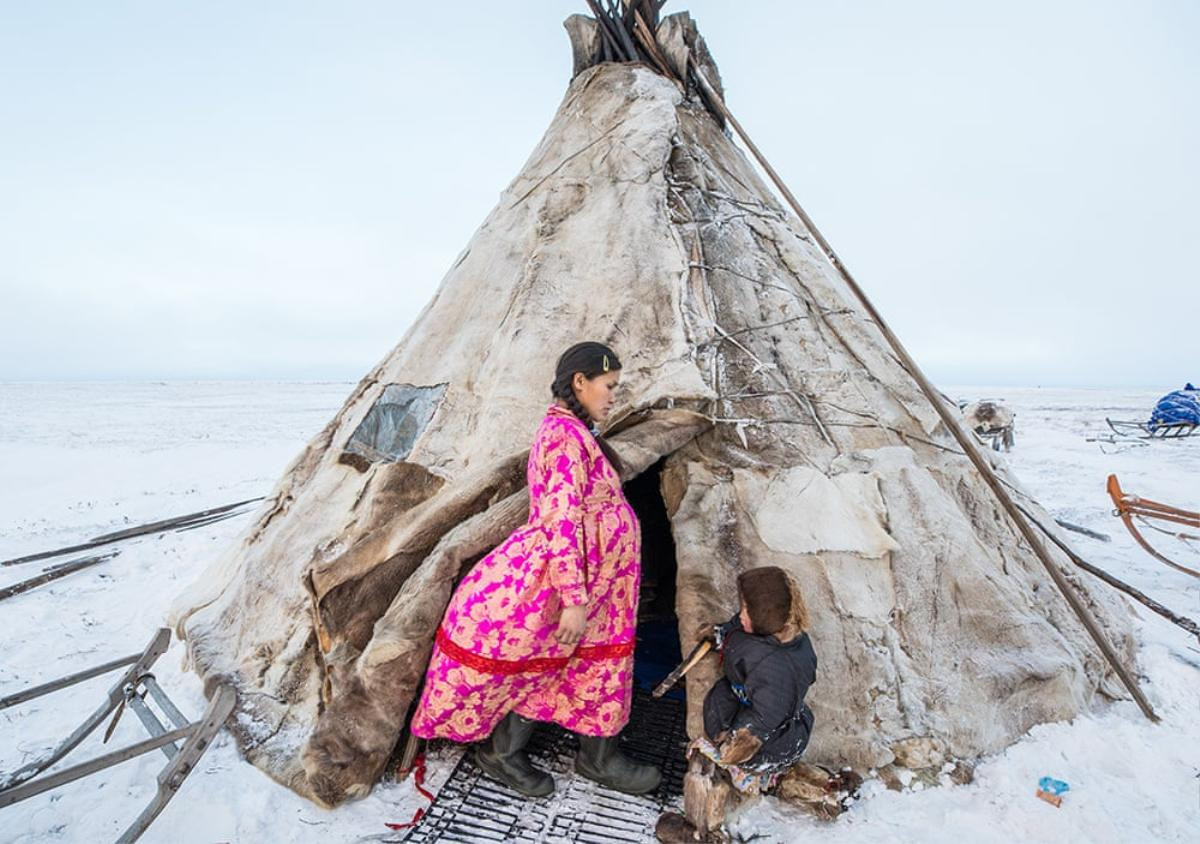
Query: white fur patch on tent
pixel 803 511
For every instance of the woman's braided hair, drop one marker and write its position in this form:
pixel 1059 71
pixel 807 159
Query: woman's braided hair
pixel 591 359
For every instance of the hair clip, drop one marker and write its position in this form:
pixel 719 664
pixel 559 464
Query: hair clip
pixel 606 363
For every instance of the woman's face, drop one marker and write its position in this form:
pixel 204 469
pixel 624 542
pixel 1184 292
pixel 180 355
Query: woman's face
pixel 597 395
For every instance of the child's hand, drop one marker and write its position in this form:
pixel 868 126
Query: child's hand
pixel 720 631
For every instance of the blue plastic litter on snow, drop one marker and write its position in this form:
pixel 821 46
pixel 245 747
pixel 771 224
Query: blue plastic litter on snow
pixel 1052 786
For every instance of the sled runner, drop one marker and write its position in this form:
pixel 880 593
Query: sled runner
pixel 1130 507
pixel 181 741
pixel 1146 431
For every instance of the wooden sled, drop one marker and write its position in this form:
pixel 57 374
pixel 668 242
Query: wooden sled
pixel 992 421
pixel 130 690
pixel 1129 507
pixel 1143 431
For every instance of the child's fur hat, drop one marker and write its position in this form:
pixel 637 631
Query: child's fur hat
pixel 773 602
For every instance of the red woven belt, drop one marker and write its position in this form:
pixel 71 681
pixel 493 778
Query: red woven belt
pixel 519 666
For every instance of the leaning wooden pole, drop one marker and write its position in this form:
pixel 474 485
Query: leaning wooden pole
pixel 968 446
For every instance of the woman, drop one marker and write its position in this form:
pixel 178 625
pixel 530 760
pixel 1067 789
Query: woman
pixel 542 629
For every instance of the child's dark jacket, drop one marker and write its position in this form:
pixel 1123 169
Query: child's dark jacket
pixel 763 690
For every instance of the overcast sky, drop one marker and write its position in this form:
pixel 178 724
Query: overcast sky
pixel 275 189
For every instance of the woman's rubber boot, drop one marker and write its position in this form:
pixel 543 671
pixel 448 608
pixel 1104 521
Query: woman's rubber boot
pixel 502 755
pixel 601 760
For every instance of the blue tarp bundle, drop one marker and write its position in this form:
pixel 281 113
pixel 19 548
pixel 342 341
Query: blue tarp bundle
pixel 1181 407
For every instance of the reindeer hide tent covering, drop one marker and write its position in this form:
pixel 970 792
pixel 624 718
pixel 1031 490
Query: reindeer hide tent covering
pixel 791 437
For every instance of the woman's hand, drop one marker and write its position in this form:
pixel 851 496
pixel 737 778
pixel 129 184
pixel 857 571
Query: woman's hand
pixel 571 625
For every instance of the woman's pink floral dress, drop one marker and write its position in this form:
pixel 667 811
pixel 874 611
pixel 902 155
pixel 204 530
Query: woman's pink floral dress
pixel 495 649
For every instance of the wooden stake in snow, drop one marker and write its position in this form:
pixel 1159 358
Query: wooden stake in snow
pixel 1091 534
pixel 190 520
pixel 54 573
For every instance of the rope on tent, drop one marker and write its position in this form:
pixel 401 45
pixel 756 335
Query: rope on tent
pixel 801 400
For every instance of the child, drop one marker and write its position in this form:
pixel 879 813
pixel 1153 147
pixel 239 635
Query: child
pixel 755 718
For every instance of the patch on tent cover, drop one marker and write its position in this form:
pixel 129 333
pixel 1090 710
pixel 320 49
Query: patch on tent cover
pixel 392 425
pixel 803 511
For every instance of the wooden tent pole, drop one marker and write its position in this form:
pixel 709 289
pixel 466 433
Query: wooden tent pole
pixel 952 424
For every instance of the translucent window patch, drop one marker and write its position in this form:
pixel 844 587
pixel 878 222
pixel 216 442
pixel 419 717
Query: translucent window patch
pixel 392 425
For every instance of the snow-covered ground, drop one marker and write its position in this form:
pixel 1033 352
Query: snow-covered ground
pixel 77 460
